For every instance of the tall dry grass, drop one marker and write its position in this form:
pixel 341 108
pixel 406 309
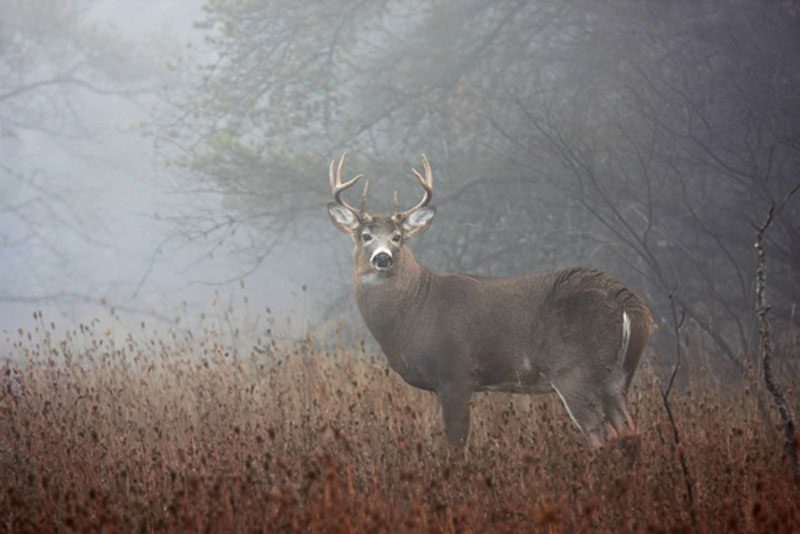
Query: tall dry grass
pixel 179 432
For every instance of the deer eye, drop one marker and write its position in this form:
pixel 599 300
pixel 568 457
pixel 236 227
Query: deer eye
pixel 366 238
pixel 396 238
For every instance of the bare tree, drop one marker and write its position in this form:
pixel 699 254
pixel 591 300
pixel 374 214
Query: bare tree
pixel 52 60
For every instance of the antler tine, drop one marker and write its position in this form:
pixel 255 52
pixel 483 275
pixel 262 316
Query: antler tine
pixel 426 182
pixel 364 196
pixel 331 176
pixel 427 185
pixel 337 187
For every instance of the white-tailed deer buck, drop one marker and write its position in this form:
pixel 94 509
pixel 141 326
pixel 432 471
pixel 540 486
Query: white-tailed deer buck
pixel 577 332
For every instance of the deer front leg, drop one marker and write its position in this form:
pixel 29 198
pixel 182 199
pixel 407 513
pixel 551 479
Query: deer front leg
pixel 455 401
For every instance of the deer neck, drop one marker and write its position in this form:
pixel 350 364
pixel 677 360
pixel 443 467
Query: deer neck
pixel 386 301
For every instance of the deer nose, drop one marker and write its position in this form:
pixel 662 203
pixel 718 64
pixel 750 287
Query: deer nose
pixel 382 260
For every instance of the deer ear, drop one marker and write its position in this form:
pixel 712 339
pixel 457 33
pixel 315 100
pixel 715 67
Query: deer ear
pixel 342 218
pixel 419 221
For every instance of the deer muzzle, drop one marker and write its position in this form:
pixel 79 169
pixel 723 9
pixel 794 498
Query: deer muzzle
pixel 381 259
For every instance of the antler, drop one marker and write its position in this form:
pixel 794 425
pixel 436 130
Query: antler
pixel 427 185
pixel 337 187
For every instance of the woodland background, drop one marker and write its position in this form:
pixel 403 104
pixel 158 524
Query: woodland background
pixel 642 138
pixel 180 349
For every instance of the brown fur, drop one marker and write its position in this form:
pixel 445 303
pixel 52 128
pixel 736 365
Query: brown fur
pixel 455 334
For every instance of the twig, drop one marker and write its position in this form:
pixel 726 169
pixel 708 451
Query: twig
pixel 785 411
pixel 665 396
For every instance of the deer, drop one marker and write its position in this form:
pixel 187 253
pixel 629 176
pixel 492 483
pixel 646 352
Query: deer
pixel 576 332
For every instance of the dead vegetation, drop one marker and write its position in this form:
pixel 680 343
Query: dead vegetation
pixel 176 432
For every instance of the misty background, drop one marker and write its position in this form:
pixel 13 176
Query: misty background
pixel 155 157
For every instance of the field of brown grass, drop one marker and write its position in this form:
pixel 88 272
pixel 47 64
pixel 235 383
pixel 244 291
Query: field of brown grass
pixel 178 432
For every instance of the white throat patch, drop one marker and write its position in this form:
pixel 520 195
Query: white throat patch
pixel 371 278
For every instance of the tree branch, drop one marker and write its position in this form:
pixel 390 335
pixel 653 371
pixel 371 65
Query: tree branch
pixel 784 410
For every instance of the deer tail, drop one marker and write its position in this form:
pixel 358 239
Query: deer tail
pixel 636 325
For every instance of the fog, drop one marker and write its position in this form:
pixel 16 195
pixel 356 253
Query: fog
pixel 83 190
pixel 169 159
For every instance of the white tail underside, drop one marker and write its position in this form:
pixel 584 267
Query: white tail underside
pixel 626 338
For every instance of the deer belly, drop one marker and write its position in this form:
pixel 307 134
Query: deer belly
pixel 413 376
pixel 539 386
pixel 509 378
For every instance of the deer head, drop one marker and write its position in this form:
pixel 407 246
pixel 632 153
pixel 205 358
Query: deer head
pixel 379 238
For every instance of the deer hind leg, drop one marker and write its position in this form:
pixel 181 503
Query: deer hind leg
pixel 455 401
pixel 583 407
pixel 615 408
pixel 616 412
pixel 620 425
